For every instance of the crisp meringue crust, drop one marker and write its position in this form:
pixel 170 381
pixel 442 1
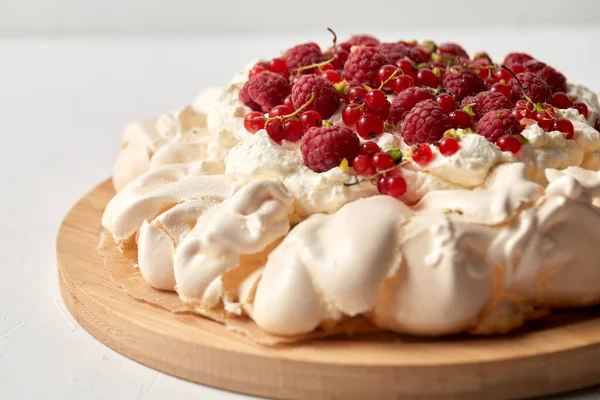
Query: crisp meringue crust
pixel 481 241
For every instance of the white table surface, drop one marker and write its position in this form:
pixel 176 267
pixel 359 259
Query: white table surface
pixel 63 105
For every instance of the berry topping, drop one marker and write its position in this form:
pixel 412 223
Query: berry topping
pixel 275 130
pixel 279 66
pixel 497 123
pixel 582 108
pixel 264 91
pixel 503 89
pixel 363 40
pixel 332 76
pixel 405 101
pixel 561 100
pixel 422 154
pixel 462 82
pixel 460 119
pixel 394 185
pixel 302 55
pixel 513 59
pixel 403 83
pixel 310 119
pixel 448 146
pixel 352 113
pixel 447 102
pixel 362 66
pixel 280 110
pixel 484 102
pixel 369 148
pixel 555 80
pixel 426 77
pixel 356 95
pixel 254 121
pixel 324 148
pixel 383 77
pixel 395 52
pixel 509 143
pixel 376 100
pixel 362 165
pixel 292 130
pixel 326 100
pixel 451 51
pixel 425 123
pixel 565 126
pixel 369 126
pixel 382 161
pixel 535 88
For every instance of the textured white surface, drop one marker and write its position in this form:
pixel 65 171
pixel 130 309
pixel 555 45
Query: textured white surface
pixel 63 106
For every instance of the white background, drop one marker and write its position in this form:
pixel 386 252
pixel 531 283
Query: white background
pixel 74 72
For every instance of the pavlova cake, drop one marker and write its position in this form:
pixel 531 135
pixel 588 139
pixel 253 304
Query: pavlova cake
pixel 405 185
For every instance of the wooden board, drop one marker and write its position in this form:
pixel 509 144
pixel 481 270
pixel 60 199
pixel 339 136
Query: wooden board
pixel 557 354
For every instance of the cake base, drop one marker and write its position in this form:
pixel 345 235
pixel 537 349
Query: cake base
pixel 556 354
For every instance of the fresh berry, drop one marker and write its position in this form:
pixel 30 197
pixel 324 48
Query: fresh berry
pixel 327 67
pixel 369 126
pixel 362 66
pixel 302 55
pixel 383 76
pixel 451 51
pixel 402 83
pixel 376 100
pixel 363 40
pixel 517 69
pixel 382 161
pixel 257 69
pixel 324 148
pixel 426 77
pixel 503 89
pixel 503 76
pixel 561 100
pixel 447 102
pixel 279 66
pixel 395 52
pixel 339 58
pixel 460 119
pixel 394 185
pixel 484 102
pixel 275 130
pixel 509 143
pixel 310 119
pixel 535 88
pixel 326 99
pixel 362 165
pixel 554 79
pixel 520 112
pixel 281 110
pixel 384 112
pixel 533 66
pixel 512 59
pixel 582 108
pixel 369 148
pixel 408 67
pixel 597 124
pixel 288 101
pixel 264 91
pixel 405 101
pixel 422 154
pixel 254 121
pixel 497 123
pixel 565 126
pixel 355 95
pixel 462 82
pixel 425 123
pixel 292 130
pixel 448 146
pixel 545 120
pixel 352 113
pixel 332 76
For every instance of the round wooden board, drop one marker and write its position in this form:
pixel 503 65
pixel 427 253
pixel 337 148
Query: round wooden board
pixel 556 354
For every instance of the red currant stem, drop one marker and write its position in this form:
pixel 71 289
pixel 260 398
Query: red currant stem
pixel 292 115
pixel 311 66
pixel 392 76
pixel 334 36
pixel 518 83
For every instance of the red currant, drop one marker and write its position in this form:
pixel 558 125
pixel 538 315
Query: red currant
pixel 332 76
pixel 339 58
pixel 395 185
pixel 292 130
pixel 406 66
pixel 382 185
pixel 518 68
pixel 384 74
pixel 565 126
pixel 426 77
pixel 289 102
pixel 582 108
pixel 257 69
pixel 502 75
pixel 356 94
pixel 254 121
pixel 521 112
pixel 369 148
pixel 275 130
pixel 384 113
pixel 327 67
pixel 352 113
pixel 460 119
pixel 404 82
pixel 447 102
pixel 482 72
pixel 278 66
pixel 524 103
pixel 362 165
pixel 544 120
pixel 382 161
pixel 369 126
pixel 449 146
pixel 309 119
pixel 597 124
pixel 561 100
pixel 502 88
pixel 509 143
pixel 280 111
pixel 422 154
pixel 375 100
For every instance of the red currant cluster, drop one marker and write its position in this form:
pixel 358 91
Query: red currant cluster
pixel 380 166
pixel 544 115
pixel 283 122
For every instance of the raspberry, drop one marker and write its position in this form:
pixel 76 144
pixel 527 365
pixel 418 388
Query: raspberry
pixel 324 148
pixel 405 101
pixel 484 102
pixel 554 79
pixel 516 58
pixel 362 66
pixel 363 40
pixel 535 87
pixel 264 91
pixel 462 82
pixel 451 50
pixel 302 55
pixel 498 123
pixel 326 100
pixel 395 52
pixel 425 123
pixel 533 66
